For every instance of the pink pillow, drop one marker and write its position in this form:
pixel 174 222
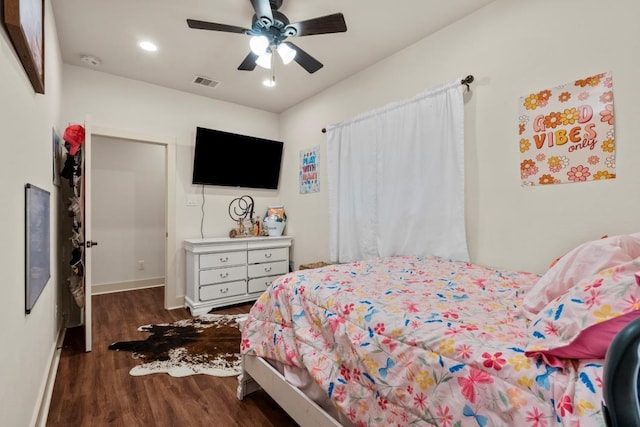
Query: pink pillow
pixel 582 323
pixel 592 343
pixel 582 262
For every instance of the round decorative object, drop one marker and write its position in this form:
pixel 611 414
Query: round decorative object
pixel 241 208
pixel 274 225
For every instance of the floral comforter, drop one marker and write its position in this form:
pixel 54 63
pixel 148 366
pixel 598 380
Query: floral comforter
pixel 420 341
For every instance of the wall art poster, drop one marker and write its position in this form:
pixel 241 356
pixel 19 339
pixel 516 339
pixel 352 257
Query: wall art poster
pixel 567 133
pixel 309 170
pixel 24 20
pixel 37 243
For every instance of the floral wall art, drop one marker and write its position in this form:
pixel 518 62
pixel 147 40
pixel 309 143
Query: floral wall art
pixel 567 133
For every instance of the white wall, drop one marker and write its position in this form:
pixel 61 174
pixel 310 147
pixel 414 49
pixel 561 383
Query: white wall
pixel 512 48
pixel 128 204
pixel 26 120
pixel 507 226
pixel 128 105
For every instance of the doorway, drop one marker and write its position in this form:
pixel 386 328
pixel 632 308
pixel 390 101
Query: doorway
pixel 128 215
pixel 167 146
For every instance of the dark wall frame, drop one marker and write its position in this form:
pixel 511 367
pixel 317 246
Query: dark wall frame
pixel 24 20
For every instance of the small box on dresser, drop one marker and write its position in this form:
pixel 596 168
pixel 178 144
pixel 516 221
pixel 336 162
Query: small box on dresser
pixel 224 271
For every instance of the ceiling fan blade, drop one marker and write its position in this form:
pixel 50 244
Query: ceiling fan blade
pixel 305 60
pixel 204 25
pixel 323 25
pixel 249 63
pixel 263 10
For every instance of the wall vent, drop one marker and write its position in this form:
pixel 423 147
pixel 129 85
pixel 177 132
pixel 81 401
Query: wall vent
pixel 205 81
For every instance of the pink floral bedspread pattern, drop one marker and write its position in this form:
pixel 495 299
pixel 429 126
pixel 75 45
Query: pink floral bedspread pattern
pixel 420 341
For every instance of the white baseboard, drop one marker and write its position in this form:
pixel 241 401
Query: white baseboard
pixel 178 303
pixel 41 412
pixel 109 288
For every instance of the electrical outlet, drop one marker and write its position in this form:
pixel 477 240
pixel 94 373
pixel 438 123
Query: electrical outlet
pixel 141 265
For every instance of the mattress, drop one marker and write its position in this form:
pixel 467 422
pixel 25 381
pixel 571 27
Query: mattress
pixel 420 341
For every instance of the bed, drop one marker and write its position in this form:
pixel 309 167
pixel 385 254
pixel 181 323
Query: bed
pixel 426 341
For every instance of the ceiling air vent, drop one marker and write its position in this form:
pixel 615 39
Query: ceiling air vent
pixel 205 81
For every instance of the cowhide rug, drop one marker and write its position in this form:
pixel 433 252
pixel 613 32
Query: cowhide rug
pixel 207 344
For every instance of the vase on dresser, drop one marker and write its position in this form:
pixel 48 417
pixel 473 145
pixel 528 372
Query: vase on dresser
pixel 275 220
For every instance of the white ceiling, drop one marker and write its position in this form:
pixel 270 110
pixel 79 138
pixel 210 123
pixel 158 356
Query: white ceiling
pixel 111 29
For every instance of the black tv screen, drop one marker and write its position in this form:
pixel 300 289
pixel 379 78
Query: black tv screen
pixel 232 160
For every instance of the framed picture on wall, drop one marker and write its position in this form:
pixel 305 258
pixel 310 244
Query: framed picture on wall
pixel 37 243
pixel 57 156
pixel 309 170
pixel 24 20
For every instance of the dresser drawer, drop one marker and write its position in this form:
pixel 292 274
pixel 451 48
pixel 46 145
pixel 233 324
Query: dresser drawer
pixel 220 275
pixel 268 255
pixel 223 290
pixel 277 268
pixel 260 284
pixel 223 259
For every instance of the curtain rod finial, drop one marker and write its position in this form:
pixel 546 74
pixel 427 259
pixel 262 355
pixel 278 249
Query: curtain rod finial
pixel 467 80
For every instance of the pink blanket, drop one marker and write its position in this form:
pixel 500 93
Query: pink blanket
pixel 411 340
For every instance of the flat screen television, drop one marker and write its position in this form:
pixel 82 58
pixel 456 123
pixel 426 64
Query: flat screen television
pixel 232 160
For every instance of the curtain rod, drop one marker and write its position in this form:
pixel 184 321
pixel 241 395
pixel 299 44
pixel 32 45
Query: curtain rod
pixel 466 81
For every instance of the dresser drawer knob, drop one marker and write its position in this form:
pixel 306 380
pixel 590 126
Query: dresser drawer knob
pixel 224 275
pixel 267 255
pixel 224 291
pixel 267 269
pixel 225 259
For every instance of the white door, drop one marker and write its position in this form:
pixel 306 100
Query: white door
pixel 86 188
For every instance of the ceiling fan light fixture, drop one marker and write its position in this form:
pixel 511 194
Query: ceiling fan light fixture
pixel 286 53
pixel 259 45
pixel 269 28
pixel 270 82
pixel 264 61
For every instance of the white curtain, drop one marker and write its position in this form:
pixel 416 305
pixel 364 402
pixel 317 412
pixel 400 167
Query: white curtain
pixel 396 179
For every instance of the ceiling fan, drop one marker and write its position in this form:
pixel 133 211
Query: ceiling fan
pixel 270 29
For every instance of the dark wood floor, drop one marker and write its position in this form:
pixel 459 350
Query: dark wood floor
pixel 95 389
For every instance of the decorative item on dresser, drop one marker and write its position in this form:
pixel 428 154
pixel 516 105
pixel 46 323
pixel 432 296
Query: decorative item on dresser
pixel 274 220
pixel 224 271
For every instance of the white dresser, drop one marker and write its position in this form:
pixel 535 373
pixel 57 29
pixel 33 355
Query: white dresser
pixel 224 271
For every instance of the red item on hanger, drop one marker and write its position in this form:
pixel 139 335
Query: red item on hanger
pixel 74 136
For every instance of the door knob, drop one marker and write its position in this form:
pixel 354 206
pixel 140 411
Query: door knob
pixel 90 243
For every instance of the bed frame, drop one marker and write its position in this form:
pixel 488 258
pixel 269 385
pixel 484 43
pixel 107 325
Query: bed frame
pixel 258 374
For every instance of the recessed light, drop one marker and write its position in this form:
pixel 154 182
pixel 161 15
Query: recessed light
pixel 148 46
